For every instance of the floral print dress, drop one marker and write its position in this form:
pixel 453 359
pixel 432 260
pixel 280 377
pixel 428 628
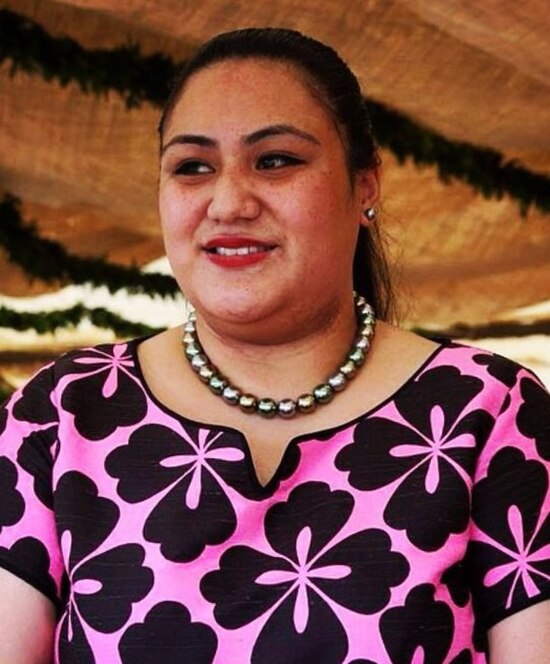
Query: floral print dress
pixel 399 537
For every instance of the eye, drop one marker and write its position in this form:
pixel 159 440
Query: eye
pixel 277 160
pixel 192 167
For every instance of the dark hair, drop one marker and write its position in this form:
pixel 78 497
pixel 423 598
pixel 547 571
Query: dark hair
pixel 338 88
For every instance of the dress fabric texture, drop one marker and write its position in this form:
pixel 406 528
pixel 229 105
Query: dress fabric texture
pixel 399 537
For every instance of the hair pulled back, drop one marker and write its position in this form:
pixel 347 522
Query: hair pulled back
pixel 337 88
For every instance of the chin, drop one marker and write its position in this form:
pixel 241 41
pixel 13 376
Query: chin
pixel 232 307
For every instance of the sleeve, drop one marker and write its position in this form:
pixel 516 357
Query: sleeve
pixel 29 545
pixel 509 553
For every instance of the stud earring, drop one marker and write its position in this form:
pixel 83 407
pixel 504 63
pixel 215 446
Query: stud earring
pixel 370 214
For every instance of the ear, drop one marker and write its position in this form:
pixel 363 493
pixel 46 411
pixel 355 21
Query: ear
pixel 368 190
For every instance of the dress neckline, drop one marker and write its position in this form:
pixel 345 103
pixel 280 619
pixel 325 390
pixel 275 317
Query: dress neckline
pixel 320 435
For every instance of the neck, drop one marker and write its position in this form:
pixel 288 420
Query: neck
pixel 285 363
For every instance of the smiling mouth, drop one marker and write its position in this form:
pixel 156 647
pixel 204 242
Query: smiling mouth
pixel 239 251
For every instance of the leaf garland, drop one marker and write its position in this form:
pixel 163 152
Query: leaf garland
pixel 140 79
pixel 484 169
pixel 44 322
pixel 48 260
pixel 123 70
pixel 5 390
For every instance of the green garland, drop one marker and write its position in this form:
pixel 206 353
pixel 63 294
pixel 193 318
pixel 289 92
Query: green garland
pixel 5 391
pixel 485 170
pixel 51 262
pixel 49 321
pixel 123 70
pixel 141 79
pixel 44 322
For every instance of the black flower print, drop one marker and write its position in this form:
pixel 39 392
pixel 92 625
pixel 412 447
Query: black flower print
pixel 533 418
pixel 109 388
pixel 455 578
pixel 498 367
pixel 429 454
pixel 34 405
pixel 464 657
pixel 508 569
pixel 189 471
pixel 29 553
pixel 73 646
pixel 12 505
pixel 105 593
pixel 76 495
pixel 101 587
pixel 419 631
pixel 35 456
pixel 168 635
pixel 312 569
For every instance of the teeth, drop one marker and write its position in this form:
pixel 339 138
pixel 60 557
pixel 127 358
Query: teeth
pixel 238 251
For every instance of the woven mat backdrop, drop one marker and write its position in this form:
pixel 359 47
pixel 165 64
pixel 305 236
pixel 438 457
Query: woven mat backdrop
pixel 85 167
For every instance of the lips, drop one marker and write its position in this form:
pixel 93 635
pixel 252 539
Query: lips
pixel 233 251
pixel 236 251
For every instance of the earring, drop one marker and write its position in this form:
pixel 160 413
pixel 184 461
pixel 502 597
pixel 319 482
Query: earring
pixel 370 213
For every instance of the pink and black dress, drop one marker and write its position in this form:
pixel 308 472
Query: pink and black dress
pixel 399 537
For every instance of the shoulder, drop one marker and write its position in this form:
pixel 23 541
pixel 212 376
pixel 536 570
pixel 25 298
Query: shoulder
pixel 446 369
pixel 122 352
pixel 509 394
pixel 494 369
pixel 499 374
pixel 89 392
pixel 417 354
pixel 40 394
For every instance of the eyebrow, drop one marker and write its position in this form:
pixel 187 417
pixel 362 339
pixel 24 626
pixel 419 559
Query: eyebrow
pixel 250 139
pixel 191 139
pixel 279 130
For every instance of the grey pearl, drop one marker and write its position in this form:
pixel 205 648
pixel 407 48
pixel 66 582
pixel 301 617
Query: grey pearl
pixel 198 361
pixel 206 372
pixel 357 357
pixel 338 382
pixel 348 369
pixel 247 403
pixel 306 403
pixel 286 408
pixel 363 343
pixel 366 310
pixel 366 331
pixel 323 393
pixel 192 349
pixel 267 407
pixel 231 395
pixel 217 384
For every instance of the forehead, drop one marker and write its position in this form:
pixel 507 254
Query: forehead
pixel 248 92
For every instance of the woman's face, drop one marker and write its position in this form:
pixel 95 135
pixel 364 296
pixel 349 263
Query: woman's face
pixel 258 212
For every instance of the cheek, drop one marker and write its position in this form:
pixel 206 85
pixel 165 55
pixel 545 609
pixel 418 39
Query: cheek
pixel 309 201
pixel 176 211
pixel 167 206
pixel 326 210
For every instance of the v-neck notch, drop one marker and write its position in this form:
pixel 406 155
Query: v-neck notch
pixel 286 466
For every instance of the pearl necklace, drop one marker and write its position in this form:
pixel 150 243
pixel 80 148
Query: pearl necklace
pixel 287 408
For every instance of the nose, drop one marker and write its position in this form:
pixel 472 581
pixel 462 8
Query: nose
pixel 232 199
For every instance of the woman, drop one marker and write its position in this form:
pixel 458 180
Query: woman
pixel 163 512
